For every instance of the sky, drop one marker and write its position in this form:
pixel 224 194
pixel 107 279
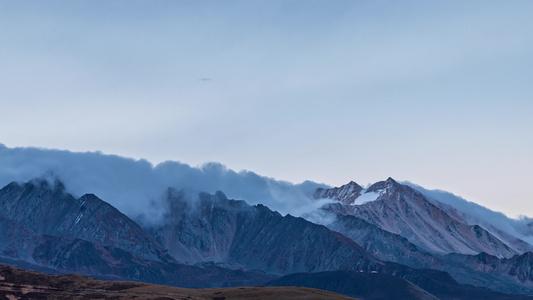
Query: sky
pixel 437 93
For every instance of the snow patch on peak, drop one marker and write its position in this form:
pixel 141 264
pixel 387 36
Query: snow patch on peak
pixel 368 196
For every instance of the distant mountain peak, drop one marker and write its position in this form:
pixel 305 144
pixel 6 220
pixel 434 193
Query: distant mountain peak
pixel 44 207
pixel 346 193
pixel 384 185
pixel 400 209
pixel 352 183
pixel 48 183
pixel 353 194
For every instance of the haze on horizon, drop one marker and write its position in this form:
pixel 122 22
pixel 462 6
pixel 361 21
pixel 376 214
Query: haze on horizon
pixel 435 93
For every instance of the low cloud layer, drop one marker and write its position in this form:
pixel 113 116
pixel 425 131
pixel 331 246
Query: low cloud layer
pixel 136 187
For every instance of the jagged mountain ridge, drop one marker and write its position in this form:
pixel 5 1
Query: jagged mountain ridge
pixel 47 208
pixel 516 233
pixel 92 251
pixel 376 239
pixel 256 228
pixel 217 218
pixel 467 269
pixel 401 210
pixel 214 228
pixel 345 194
pixel 258 238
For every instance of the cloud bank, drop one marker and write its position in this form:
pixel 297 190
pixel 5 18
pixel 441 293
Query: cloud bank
pixel 136 187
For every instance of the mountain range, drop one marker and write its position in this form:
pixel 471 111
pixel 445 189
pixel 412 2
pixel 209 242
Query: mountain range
pixel 412 243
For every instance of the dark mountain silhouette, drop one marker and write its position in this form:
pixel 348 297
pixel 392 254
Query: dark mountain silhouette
pixel 46 208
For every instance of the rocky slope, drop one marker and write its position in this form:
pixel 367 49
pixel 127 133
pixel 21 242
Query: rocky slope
pixel 46 208
pixel 396 223
pixel 383 244
pixel 345 194
pixel 214 228
pixel 401 210
pixel 516 271
pixel 44 228
pixel 516 233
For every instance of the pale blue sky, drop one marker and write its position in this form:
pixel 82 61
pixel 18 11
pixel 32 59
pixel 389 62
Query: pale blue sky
pixel 435 92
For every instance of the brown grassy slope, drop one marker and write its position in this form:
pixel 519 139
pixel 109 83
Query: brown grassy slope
pixel 21 284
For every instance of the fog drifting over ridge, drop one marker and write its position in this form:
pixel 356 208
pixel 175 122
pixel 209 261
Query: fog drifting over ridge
pixel 473 213
pixel 136 187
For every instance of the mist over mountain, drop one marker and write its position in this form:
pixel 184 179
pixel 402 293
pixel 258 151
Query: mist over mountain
pixel 136 187
pixel 505 228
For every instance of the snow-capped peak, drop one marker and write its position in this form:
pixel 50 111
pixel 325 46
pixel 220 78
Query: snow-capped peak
pixel 353 194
